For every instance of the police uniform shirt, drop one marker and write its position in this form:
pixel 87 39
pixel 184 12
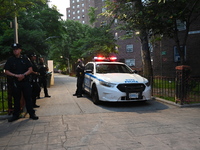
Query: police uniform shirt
pixel 42 69
pixel 18 65
pixel 34 66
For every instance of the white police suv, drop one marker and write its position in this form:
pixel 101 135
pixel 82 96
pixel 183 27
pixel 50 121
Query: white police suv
pixel 114 82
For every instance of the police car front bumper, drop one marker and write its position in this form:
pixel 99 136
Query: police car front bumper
pixel 113 94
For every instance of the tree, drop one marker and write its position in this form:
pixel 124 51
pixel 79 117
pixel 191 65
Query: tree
pixel 82 41
pixel 154 17
pixel 170 15
pixel 37 24
pixel 134 17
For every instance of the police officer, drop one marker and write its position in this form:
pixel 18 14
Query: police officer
pixel 80 78
pixel 43 76
pixel 19 67
pixel 34 78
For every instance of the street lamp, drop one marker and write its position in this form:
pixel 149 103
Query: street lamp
pixel 68 65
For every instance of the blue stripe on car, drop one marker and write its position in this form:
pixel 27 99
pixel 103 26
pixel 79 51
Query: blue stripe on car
pixel 94 76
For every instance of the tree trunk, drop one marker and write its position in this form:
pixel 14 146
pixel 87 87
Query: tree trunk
pixel 146 57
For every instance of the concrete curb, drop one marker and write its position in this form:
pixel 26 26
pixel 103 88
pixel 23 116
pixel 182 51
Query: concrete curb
pixel 175 104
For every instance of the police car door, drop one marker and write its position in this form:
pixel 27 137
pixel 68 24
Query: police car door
pixel 89 68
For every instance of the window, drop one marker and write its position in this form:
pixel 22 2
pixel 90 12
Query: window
pixel 176 54
pixel 78 17
pixel 181 25
pixel 103 23
pixel 83 10
pixel 82 5
pixel 78 11
pixel 103 9
pixel 115 22
pixel 89 67
pixel 78 6
pixel 130 62
pixel 83 22
pixel 129 48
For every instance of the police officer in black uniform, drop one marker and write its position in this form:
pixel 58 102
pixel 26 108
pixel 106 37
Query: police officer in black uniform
pixel 80 78
pixel 34 78
pixel 19 67
pixel 43 76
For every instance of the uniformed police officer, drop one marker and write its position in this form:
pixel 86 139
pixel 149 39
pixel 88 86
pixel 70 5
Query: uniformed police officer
pixel 19 67
pixel 80 78
pixel 34 78
pixel 43 76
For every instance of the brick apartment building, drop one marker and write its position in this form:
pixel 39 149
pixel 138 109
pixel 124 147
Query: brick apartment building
pixel 166 58
pixel 129 49
pixel 164 54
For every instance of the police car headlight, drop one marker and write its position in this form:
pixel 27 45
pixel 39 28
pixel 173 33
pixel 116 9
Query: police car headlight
pixel 108 84
pixel 147 83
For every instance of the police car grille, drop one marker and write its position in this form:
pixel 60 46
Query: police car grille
pixel 131 87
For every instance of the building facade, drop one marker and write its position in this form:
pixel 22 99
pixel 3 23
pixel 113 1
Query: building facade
pixel 129 50
pixel 166 57
pixel 79 9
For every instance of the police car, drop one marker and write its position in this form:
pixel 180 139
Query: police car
pixel 114 82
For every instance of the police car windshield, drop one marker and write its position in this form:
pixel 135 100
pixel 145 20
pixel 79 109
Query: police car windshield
pixel 112 68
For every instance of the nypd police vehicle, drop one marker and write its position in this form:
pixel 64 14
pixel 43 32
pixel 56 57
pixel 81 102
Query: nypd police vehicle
pixel 114 82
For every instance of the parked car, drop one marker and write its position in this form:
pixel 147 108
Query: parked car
pixel 114 82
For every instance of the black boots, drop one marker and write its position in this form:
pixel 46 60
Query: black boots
pixel 13 118
pixel 34 117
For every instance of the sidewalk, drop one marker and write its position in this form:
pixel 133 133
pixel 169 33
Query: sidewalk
pixel 69 123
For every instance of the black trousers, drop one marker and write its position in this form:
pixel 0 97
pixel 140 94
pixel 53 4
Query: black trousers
pixel 35 91
pixel 19 88
pixel 79 85
pixel 43 83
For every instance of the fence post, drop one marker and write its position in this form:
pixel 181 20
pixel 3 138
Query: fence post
pixel 182 77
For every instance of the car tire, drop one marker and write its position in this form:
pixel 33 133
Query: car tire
pixel 95 96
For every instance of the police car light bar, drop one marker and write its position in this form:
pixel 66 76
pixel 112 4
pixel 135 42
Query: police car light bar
pixel 100 58
pixel 113 58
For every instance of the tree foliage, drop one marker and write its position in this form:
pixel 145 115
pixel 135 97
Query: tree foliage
pixel 36 24
pixel 157 17
pixel 82 41
pixel 170 15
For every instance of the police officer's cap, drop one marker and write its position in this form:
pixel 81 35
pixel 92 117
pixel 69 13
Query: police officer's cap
pixel 32 54
pixel 16 46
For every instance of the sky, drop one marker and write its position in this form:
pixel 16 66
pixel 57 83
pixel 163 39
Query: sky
pixel 61 5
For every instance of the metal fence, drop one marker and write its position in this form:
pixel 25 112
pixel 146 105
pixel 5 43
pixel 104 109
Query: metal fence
pixel 163 87
pixel 169 89
pixel 4 95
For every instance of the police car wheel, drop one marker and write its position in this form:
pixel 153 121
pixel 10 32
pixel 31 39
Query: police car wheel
pixel 95 96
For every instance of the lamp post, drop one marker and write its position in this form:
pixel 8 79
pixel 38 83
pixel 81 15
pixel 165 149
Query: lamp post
pixel 15 30
pixel 68 65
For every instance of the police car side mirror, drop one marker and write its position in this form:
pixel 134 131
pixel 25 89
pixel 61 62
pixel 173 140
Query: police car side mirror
pixel 135 71
pixel 88 71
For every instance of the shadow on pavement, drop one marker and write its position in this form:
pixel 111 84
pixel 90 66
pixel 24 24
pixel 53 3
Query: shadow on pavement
pixel 139 107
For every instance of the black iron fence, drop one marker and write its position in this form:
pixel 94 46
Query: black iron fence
pixel 3 94
pixel 163 87
pixel 171 89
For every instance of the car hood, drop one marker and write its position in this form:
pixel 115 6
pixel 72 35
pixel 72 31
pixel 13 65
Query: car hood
pixel 122 78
